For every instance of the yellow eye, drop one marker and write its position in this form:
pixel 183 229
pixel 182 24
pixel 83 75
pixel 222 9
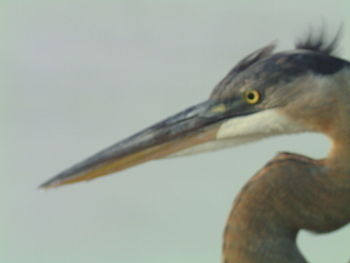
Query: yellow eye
pixel 251 96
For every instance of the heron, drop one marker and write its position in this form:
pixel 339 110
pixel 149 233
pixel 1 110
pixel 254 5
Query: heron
pixel 267 93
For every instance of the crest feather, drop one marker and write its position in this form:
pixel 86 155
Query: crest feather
pixel 320 41
pixel 253 57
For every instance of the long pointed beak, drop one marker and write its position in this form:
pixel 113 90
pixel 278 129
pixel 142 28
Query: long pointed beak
pixel 193 126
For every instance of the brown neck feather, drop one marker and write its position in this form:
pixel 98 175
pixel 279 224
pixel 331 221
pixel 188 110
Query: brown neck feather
pixel 290 193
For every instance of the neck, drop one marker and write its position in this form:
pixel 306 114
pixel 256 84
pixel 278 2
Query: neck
pixel 291 193
pixel 339 158
pixel 251 238
pixel 336 123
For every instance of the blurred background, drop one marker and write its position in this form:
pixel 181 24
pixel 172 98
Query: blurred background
pixel 77 76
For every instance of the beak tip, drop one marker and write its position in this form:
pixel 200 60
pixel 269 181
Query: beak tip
pixel 47 185
pixel 51 183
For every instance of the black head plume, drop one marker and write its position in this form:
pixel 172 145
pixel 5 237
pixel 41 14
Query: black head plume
pixel 319 41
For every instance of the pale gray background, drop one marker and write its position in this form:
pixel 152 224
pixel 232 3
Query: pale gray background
pixel 79 75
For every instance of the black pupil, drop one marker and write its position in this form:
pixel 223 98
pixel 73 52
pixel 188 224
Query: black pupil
pixel 251 95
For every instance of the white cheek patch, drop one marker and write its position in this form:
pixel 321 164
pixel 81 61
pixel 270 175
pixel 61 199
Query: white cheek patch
pixel 214 146
pixel 262 124
pixel 246 129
